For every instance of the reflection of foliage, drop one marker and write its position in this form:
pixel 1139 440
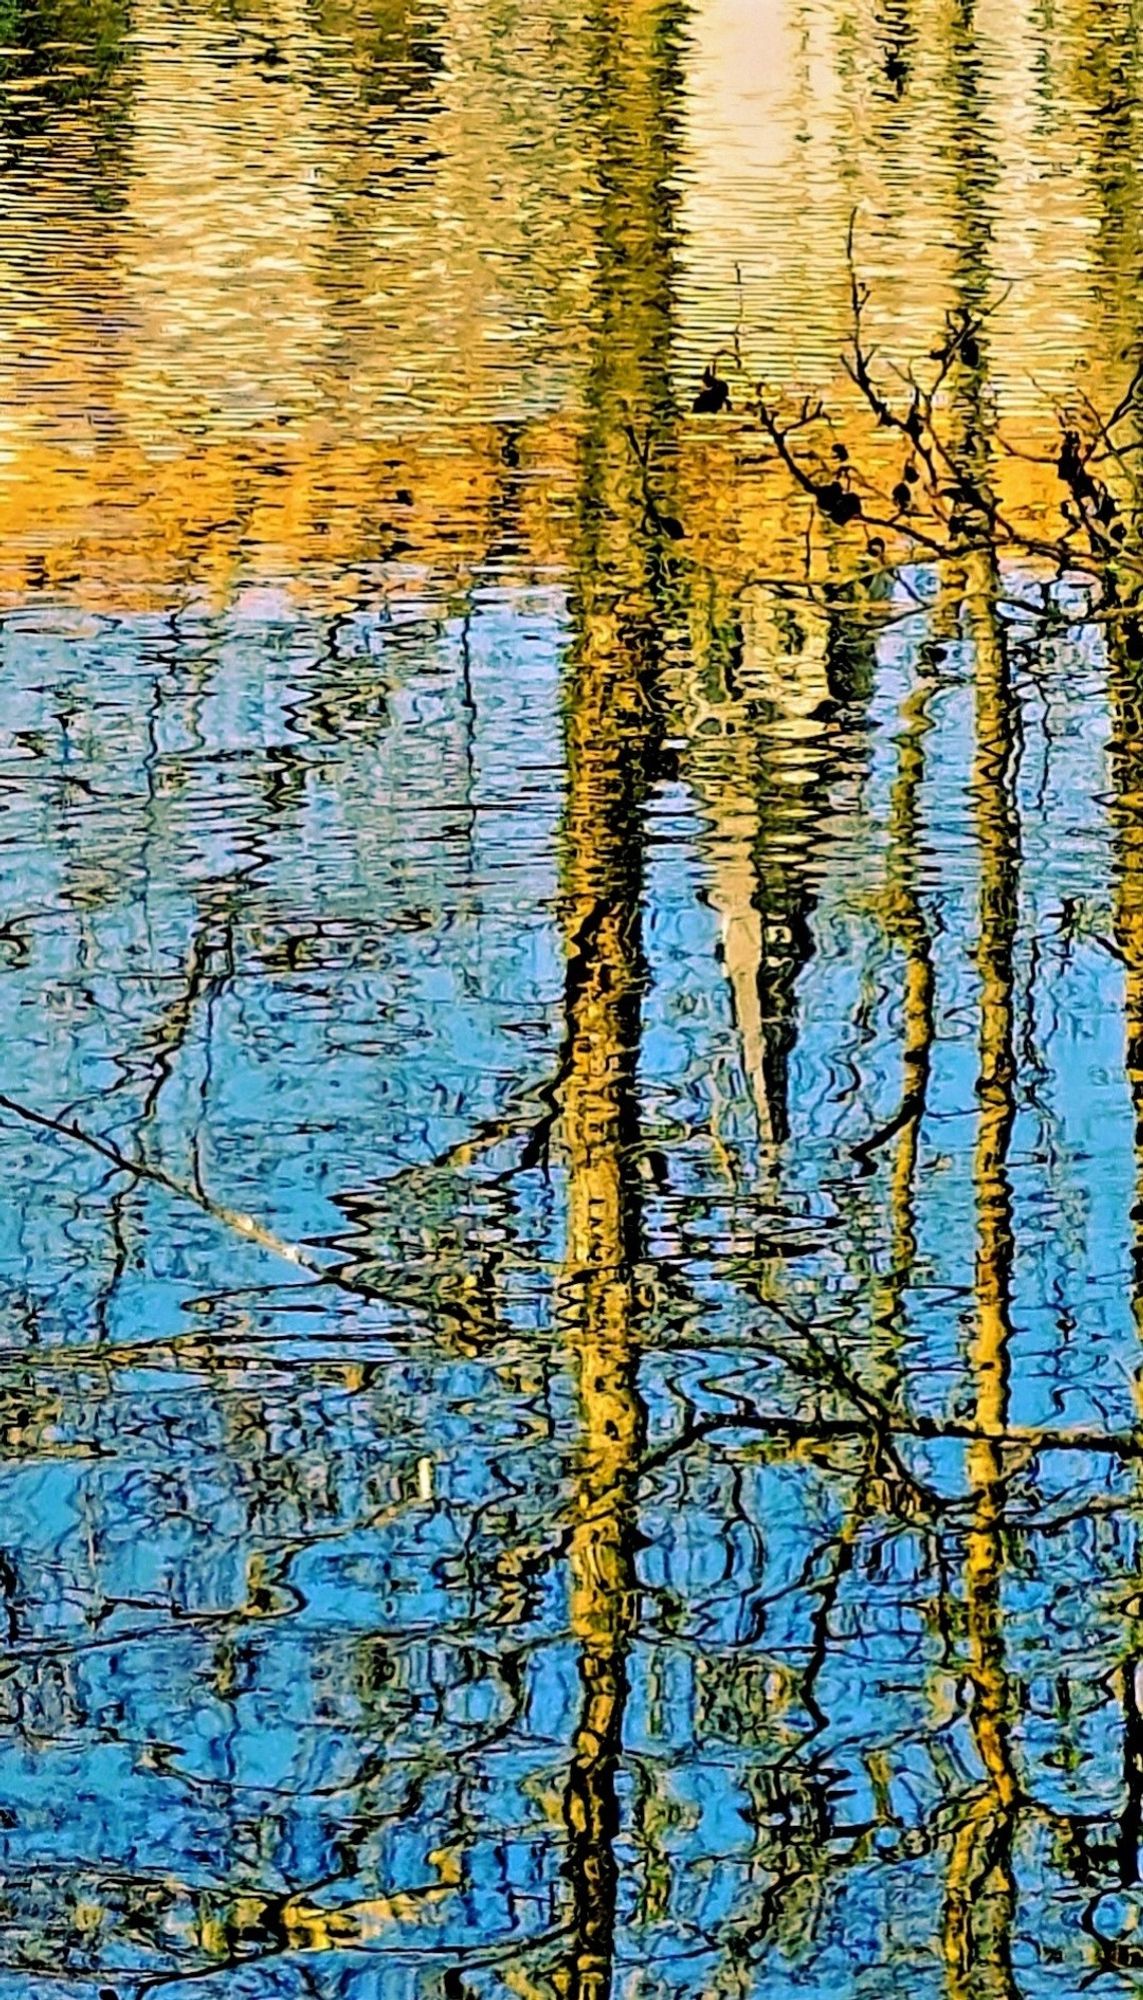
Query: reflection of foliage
pixel 397 57
pixel 72 48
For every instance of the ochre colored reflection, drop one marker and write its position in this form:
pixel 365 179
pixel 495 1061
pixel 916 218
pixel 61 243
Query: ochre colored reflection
pixel 980 1899
pixel 613 729
pixel 1114 50
pixel 907 925
pixel 980 1888
pixel 237 331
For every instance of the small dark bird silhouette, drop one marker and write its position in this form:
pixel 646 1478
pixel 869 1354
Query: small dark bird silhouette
pixel 896 71
pixel 837 503
pixel 713 396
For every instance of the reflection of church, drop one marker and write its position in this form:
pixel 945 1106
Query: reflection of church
pixel 783 689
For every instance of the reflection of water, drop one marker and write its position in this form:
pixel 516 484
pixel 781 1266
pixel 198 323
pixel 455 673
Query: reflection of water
pixel 569 1106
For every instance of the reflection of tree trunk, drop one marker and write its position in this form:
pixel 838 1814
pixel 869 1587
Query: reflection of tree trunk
pixel 764 905
pixel 600 1124
pixel 980 1896
pixel 612 742
pixel 1127 772
pixel 1111 48
pixel 762 822
pixel 784 895
pixel 908 927
pixel 981 1888
pixel 1126 701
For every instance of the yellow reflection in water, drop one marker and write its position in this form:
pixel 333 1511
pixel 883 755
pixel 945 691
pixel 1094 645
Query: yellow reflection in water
pixel 261 274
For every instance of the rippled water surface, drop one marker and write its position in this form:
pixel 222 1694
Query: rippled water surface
pixel 571 999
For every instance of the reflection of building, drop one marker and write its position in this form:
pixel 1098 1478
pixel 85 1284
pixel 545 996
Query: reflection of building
pixel 802 113
pixel 321 289
pixel 778 702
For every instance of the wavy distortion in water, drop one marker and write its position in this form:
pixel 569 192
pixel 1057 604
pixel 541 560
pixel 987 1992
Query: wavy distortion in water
pixel 571 986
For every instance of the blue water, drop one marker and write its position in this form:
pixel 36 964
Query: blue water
pixel 285 1559
pixel 571 1029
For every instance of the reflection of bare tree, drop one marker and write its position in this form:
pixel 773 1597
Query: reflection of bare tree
pixel 980 1889
pixel 908 928
pixel 1112 46
pixel 614 701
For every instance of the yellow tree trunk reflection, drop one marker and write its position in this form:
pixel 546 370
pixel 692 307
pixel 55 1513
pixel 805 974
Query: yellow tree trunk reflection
pixel 980 1893
pixel 1127 769
pixel 907 925
pixel 981 1890
pixel 613 732
pixel 1111 50
pixel 599 1301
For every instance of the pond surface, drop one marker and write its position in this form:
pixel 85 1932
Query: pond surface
pixel 571 1029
